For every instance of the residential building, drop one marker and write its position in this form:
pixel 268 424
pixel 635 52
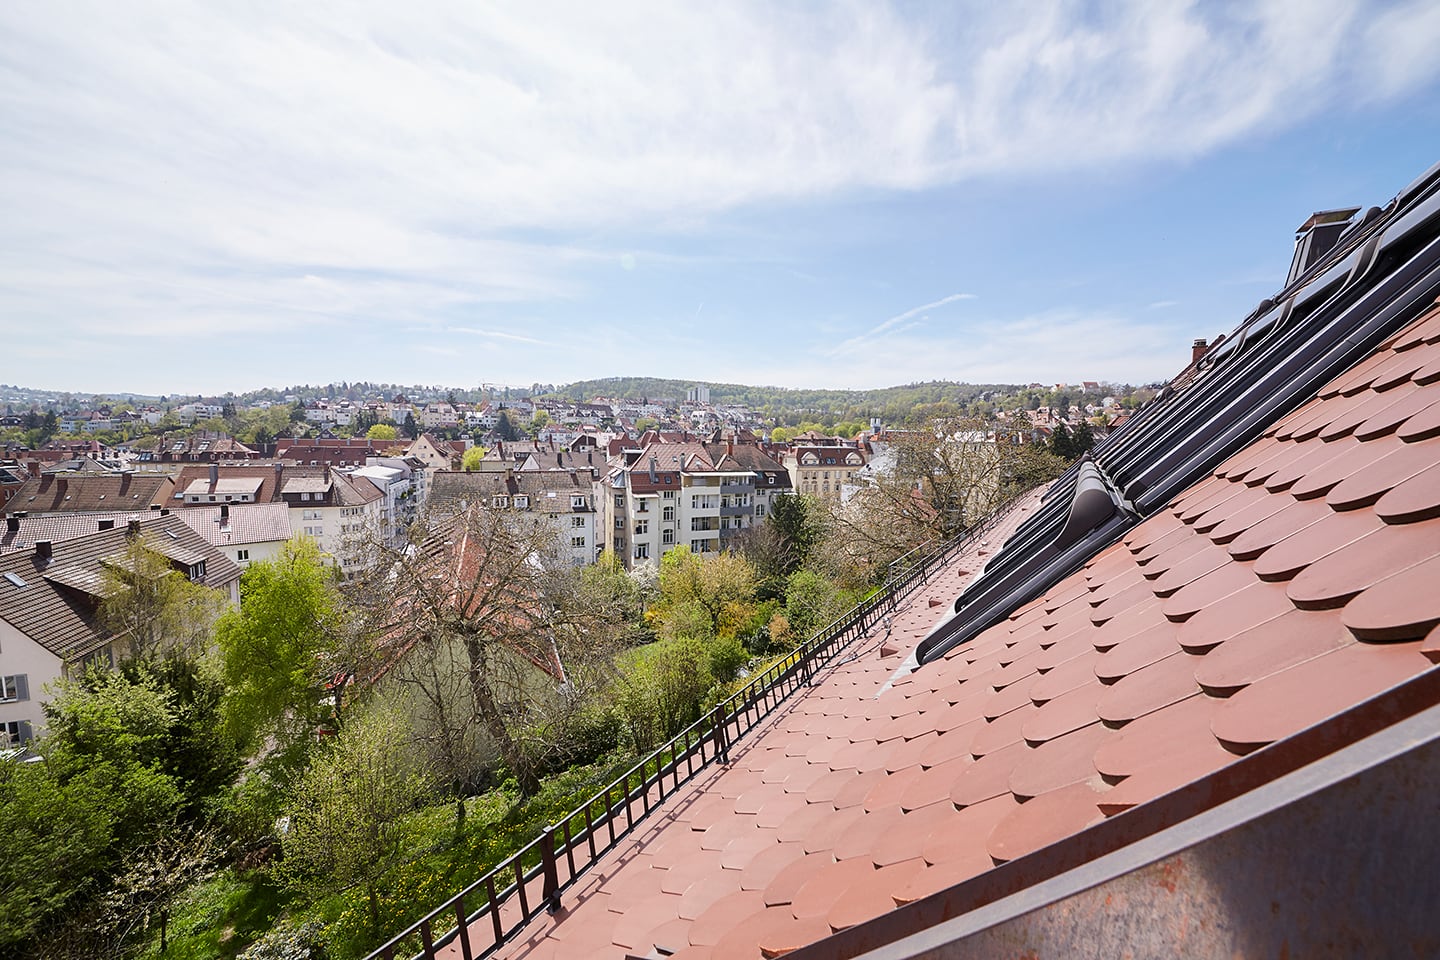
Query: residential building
pixel 563 498
pixel 823 471
pixel 339 513
pixel 244 532
pixel 699 495
pixel 49 601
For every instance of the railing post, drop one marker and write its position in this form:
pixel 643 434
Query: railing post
pixel 722 739
pixel 551 890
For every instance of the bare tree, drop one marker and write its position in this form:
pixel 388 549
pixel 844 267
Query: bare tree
pixel 483 597
pixel 933 484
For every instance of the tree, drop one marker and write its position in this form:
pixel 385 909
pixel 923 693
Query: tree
pixel 488 591
pixel 712 592
pixel 1061 443
pixel 1083 440
pixel 381 431
pixel 281 650
pixel 504 428
pixel 931 485
pixel 798 524
pixel 539 422
pixel 152 606
pixel 410 427
pixel 346 821
pixel 471 458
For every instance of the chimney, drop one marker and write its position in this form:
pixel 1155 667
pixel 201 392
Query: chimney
pixel 12 524
pixel 34 466
pixel 559 459
pixel 43 550
pixel 1197 350
pixel 214 475
pixel 653 464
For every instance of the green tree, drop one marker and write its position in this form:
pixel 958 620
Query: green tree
pixel 539 422
pixel 712 594
pixel 505 428
pixel 1062 444
pixel 410 427
pixel 470 459
pixel 1083 440
pixel 381 431
pixel 278 650
pixel 347 817
pixel 152 607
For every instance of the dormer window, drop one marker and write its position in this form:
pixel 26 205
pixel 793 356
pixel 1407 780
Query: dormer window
pixel 502 501
pixel 522 503
pixel 577 503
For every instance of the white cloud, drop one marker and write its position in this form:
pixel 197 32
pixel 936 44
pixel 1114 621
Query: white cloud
pixel 895 325
pixel 167 169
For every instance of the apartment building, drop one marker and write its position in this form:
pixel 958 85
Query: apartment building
pixel 565 498
pixel 700 495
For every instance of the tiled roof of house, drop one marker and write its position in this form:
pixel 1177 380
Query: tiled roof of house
pixel 240 524
pixel 53 600
pixel 1283 585
pixel 90 493
pixel 62 526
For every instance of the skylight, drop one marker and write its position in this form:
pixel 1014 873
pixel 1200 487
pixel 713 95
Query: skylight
pixel 15 579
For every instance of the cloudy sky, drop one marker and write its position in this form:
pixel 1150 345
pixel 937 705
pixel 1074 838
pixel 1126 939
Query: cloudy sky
pixel 222 196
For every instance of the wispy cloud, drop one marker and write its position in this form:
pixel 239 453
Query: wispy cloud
pixel 492 334
pixel 896 324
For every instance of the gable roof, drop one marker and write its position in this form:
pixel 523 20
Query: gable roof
pixel 91 493
pixel 56 605
pixel 1265 597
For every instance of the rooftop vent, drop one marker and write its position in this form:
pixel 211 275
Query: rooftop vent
pixel 44 549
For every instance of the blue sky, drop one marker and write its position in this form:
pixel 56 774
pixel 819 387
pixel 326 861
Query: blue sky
pixel 228 196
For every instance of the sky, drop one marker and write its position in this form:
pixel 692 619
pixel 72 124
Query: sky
pixel 224 196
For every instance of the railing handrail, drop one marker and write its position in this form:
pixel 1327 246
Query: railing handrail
pixel 713 728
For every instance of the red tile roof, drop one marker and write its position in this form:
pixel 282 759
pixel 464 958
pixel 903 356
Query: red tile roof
pixel 1293 583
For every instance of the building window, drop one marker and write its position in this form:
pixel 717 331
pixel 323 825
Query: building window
pixel 502 501
pixel 759 509
pixel 619 499
pixel 642 506
pixel 668 514
pixel 642 526
pixel 668 494
pixel 577 503
pixel 577 522
pixel 15 687
pixel 667 537
pixel 522 503
pixel 642 551
pixel 242 555
pixel 14 733
pixel 619 523
pixel 577 541
pixel 699 546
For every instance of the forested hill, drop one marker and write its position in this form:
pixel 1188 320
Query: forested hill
pixel 891 403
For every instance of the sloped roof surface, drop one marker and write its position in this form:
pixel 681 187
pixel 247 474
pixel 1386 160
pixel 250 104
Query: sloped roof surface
pixel 56 606
pixel 1293 582
pixel 88 493
pixel 246 523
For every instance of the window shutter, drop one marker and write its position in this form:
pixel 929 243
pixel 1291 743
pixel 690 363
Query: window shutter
pixel 25 733
pixel 22 687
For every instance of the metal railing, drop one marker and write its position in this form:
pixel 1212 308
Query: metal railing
pixel 495 907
